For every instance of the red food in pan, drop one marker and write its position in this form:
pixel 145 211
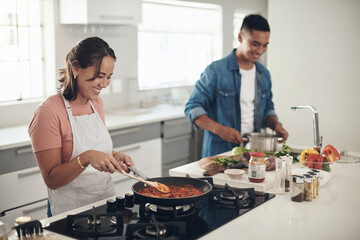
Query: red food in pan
pixel 184 191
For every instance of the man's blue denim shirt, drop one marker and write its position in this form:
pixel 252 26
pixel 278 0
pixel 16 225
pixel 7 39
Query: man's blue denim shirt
pixel 217 94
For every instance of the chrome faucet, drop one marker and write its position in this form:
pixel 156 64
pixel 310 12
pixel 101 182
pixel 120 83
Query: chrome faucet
pixel 317 140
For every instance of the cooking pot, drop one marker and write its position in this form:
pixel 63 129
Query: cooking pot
pixel 263 142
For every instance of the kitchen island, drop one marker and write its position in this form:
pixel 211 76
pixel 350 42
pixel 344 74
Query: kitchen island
pixel 334 214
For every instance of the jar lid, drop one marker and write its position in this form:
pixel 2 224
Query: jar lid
pixel 257 154
pixel 297 179
pixel 308 178
pixel 316 171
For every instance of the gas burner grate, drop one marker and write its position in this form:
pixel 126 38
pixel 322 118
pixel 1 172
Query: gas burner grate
pixel 94 225
pixel 156 230
pixel 233 197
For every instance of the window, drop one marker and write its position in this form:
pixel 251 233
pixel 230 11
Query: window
pixel 22 47
pixel 176 41
pixel 237 22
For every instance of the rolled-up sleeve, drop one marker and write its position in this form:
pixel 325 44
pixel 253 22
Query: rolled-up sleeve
pixel 202 96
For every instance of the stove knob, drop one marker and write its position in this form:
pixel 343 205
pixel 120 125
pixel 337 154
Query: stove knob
pixel 120 203
pixel 129 197
pixel 136 200
pixel 111 205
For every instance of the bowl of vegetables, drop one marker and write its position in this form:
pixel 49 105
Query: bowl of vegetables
pixel 313 159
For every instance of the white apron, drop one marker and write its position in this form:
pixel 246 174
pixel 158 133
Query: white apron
pixel 89 133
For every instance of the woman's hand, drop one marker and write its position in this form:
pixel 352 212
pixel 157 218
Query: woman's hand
pixel 101 161
pixel 124 160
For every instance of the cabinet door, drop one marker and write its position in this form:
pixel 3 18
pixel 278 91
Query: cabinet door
pixel 147 158
pixel 36 210
pixel 21 187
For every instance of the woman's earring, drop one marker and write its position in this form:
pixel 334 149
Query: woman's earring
pixel 75 77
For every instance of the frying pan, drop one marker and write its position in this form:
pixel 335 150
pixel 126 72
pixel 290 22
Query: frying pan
pixel 175 181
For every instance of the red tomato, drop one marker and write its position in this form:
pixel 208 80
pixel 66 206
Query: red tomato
pixel 315 160
pixel 331 153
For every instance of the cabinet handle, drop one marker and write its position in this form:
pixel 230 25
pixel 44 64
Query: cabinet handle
pixel 27 174
pixel 24 151
pixel 170 140
pixel 127 149
pixel 125 131
pixel 30 210
pixel 175 164
pixel 116 17
pixel 176 122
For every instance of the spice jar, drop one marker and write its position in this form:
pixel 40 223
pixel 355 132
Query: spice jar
pixel 297 188
pixel 317 180
pixel 280 175
pixel 257 167
pixel 313 175
pixel 308 188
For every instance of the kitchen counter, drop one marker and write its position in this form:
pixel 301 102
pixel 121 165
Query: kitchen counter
pixel 18 136
pixel 334 214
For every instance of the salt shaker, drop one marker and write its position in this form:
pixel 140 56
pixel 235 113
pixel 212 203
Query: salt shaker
pixel 297 188
pixel 280 175
pixel 288 173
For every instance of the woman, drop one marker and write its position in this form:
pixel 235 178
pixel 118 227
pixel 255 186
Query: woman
pixel 68 134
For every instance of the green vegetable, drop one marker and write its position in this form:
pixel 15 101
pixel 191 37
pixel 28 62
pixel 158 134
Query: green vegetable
pixel 240 150
pixel 225 161
pixel 284 150
pixel 326 166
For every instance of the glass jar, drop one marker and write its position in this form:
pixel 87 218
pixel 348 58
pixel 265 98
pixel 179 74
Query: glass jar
pixel 317 180
pixel 313 175
pixel 297 188
pixel 308 188
pixel 256 169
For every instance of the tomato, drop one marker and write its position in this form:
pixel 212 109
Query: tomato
pixel 315 160
pixel 331 153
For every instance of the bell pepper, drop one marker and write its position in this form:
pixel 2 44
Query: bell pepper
pixel 315 161
pixel 331 153
pixel 304 155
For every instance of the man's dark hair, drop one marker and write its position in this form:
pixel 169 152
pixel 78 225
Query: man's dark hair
pixel 255 22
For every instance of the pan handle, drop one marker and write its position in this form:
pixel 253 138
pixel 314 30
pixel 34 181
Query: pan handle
pixel 137 171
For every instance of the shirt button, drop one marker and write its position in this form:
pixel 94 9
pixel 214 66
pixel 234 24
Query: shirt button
pixel 226 94
pixel 263 95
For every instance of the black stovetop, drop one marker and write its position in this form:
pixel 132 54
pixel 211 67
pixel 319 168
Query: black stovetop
pixel 121 218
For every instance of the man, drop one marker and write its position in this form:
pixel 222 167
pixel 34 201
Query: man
pixel 233 95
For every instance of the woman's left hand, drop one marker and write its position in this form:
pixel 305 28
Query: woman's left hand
pixel 124 160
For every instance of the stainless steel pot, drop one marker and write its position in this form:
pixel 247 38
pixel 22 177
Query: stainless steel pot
pixel 263 142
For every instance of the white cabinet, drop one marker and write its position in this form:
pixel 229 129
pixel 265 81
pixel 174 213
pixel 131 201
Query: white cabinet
pixel 21 187
pixel 22 193
pixel 147 157
pixel 100 12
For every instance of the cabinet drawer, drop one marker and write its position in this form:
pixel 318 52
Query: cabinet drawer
pixel 126 136
pixel 36 210
pixel 177 127
pixel 167 167
pixel 14 159
pixel 176 148
pixel 21 187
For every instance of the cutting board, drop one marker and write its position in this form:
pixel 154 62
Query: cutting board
pixel 195 171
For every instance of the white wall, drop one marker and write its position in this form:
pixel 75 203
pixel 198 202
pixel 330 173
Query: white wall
pixel 123 39
pixel 314 60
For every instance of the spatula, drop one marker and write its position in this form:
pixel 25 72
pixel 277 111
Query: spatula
pixel 159 186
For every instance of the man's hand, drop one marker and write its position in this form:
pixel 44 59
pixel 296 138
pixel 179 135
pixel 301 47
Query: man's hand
pixel 281 131
pixel 229 134
pixel 273 123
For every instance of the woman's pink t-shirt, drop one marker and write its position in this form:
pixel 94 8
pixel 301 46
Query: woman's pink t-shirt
pixel 50 127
